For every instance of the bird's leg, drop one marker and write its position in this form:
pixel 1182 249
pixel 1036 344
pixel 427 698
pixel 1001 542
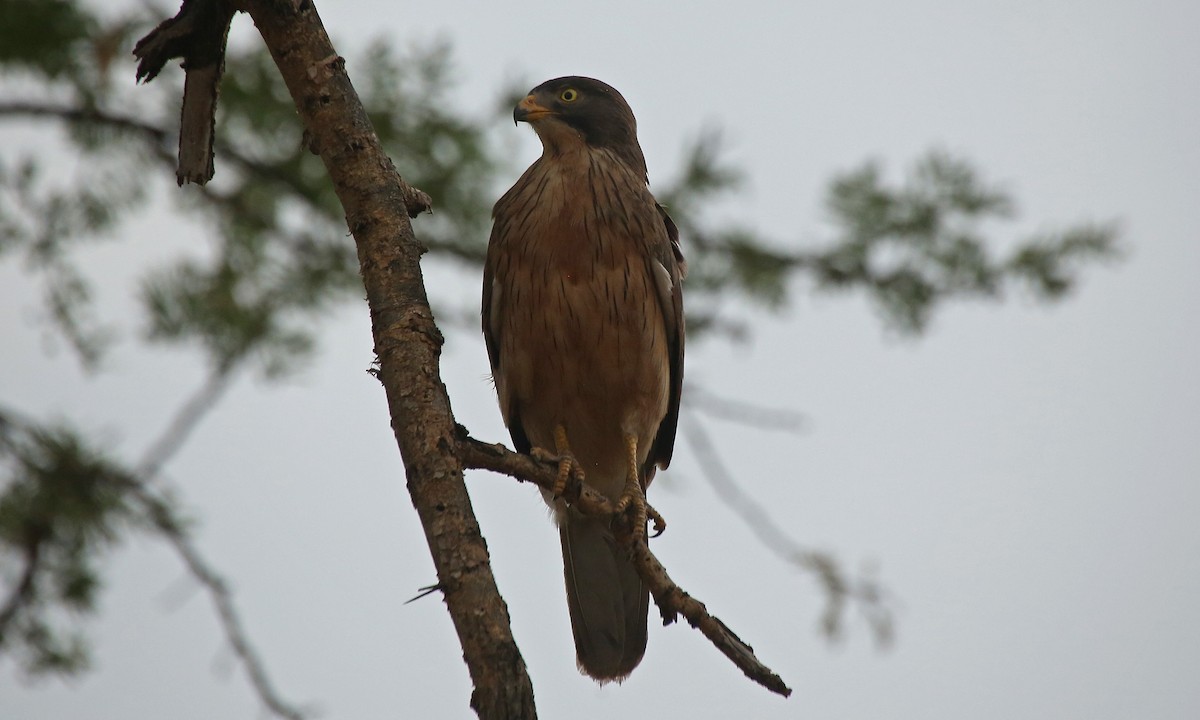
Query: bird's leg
pixel 634 496
pixel 566 461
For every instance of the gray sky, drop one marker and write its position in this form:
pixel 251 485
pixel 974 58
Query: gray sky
pixel 1026 478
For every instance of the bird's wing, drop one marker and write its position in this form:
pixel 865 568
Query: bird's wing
pixel 669 257
pixel 489 333
pixel 491 336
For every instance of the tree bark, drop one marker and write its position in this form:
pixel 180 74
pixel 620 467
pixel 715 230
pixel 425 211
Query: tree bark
pixel 407 343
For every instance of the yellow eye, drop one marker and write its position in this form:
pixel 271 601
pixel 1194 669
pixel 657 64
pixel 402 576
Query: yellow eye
pixel 569 95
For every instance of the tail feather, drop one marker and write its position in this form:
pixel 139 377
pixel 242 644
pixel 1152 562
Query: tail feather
pixel 607 599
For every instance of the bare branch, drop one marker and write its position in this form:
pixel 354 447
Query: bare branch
pixel 671 599
pixel 702 400
pixel 83 114
pixel 496 457
pixel 839 589
pixel 155 136
pixel 22 592
pixel 159 511
pixel 186 419
pixel 169 526
pixel 197 34
pixel 174 436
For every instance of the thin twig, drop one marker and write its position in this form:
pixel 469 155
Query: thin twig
pixel 869 596
pixel 702 400
pixel 156 135
pixel 672 600
pixel 188 417
pixel 23 591
pixel 185 421
pixel 176 434
pixel 159 510
pixel 84 114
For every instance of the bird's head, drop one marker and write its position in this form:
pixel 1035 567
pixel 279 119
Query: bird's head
pixel 569 110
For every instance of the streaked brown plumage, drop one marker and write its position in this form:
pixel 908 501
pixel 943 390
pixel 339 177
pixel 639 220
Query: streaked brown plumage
pixel 583 318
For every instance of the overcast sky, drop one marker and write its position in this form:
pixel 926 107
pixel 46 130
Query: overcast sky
pixel 1026 479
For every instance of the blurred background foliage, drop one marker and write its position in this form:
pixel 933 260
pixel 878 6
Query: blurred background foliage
pixel 280 257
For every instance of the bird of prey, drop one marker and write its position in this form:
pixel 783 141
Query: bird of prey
pixel 583 318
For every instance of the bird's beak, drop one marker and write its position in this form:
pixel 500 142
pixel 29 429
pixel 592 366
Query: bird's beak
pixel 529 110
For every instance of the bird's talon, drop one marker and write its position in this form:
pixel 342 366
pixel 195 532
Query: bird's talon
pixel 633 505
pixel 660 525
pixel 570 475
pixel 570 472
pixel 543 455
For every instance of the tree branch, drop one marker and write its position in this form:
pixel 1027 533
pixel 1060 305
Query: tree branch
pixel 700 399
pixel 42 539
pixel 871 599
pixel 169 526
pixel 155 136
pixel 198 34
pixel 671 599
pixel 69 113
pixel 186 418
pixel 407 342
pixel 22 593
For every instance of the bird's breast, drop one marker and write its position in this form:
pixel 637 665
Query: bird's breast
pixel 582 335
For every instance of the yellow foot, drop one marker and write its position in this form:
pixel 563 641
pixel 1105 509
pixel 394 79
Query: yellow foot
pixel 569 468
pixel 633 497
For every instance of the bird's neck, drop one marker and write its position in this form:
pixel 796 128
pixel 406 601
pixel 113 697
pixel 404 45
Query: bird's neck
pixel 567 147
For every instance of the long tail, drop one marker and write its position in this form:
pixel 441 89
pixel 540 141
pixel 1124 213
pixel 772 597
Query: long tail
pixel 606 597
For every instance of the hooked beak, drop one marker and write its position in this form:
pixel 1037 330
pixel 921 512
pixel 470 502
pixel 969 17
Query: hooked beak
pixel 529 110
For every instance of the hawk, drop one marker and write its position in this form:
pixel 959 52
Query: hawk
pixel 583 319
